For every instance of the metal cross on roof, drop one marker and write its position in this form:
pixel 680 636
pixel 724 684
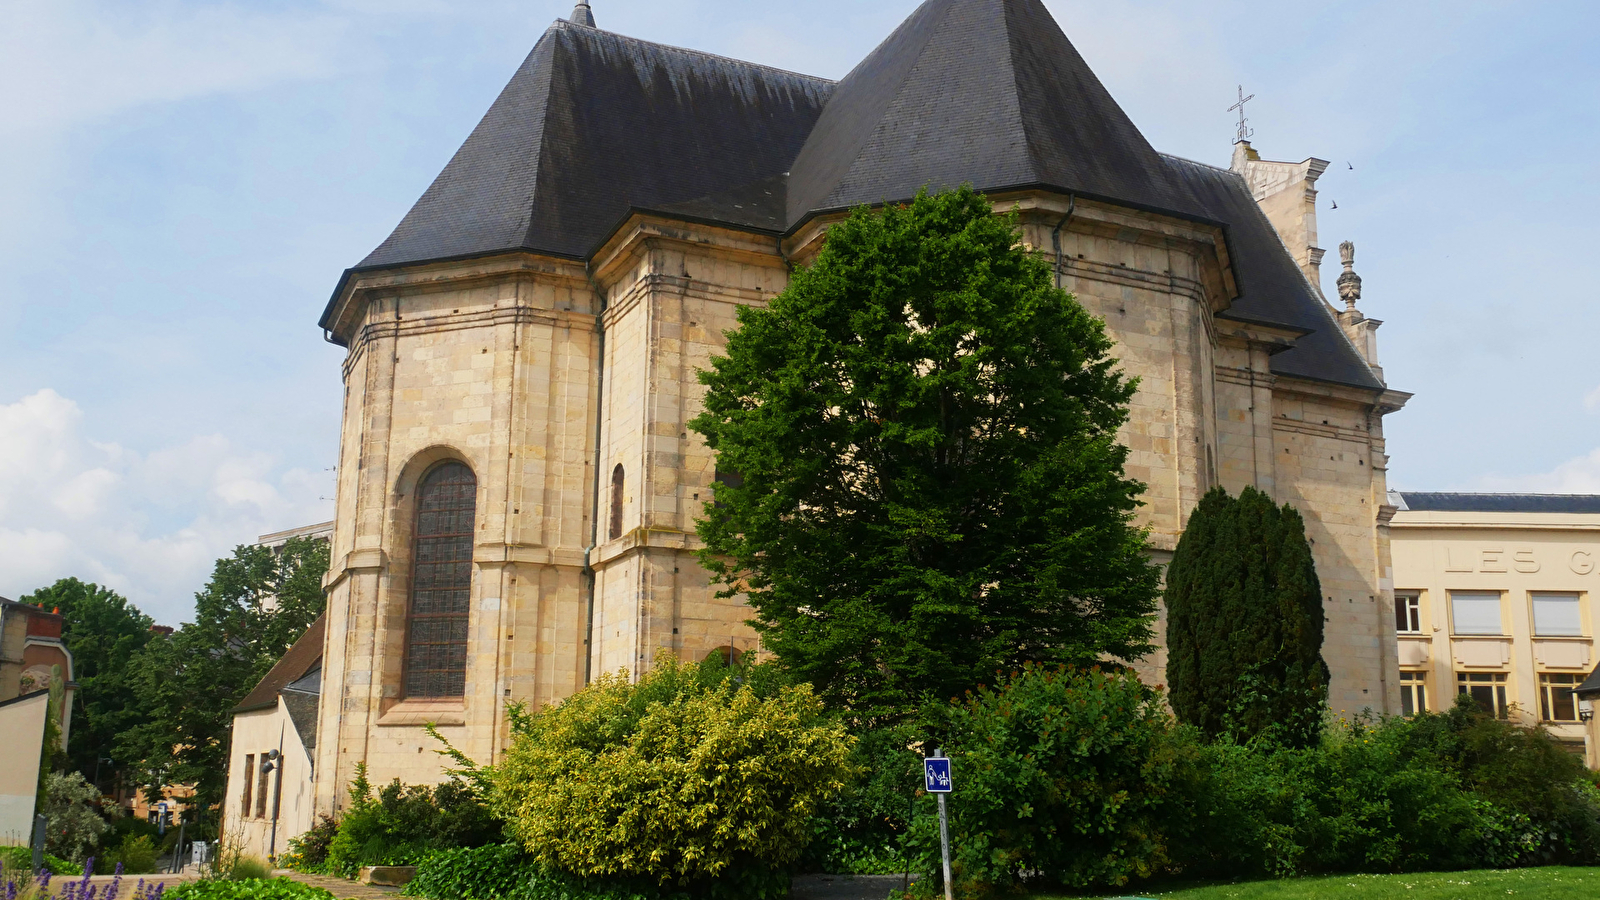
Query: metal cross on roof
pixel 1245 131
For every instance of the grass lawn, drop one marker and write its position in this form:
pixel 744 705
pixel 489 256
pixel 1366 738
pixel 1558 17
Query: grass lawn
pixel 1547 884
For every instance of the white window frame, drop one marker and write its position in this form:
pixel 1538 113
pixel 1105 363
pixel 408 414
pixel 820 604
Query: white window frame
pixel 1409 605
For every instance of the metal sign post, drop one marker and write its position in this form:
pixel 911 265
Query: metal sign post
pixel 937 776
pixel 40 826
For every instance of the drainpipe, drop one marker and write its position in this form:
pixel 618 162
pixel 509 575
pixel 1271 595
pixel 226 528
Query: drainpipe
pixel 589 574
pixel 1055 236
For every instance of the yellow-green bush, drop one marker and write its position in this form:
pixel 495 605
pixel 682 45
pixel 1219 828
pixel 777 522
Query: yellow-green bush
pixel 695 777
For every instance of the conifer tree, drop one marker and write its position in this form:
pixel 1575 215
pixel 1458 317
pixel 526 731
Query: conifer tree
pixel 1245 622
pixel 921 483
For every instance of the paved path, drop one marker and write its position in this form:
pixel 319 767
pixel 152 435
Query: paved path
pixel 844 887
pixel 341 888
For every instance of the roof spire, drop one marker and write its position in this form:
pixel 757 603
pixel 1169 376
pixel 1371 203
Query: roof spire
pixel 582 15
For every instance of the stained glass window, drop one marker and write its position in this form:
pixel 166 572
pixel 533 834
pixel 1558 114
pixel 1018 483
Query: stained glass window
pixel 441 583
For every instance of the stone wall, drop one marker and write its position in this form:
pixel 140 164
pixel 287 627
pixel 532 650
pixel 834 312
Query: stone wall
pixel 496 363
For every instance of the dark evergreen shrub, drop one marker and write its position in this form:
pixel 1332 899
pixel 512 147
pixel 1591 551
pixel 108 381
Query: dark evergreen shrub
pixel 1245 623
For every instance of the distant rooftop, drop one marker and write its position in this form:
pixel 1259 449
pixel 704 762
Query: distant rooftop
pixel 1422 501
pixel 278 539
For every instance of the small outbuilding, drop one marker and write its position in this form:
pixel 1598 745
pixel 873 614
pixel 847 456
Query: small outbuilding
pixel 271 764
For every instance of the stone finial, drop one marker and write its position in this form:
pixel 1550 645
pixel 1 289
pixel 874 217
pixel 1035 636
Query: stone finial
pixel 1349 282
pixel 582 15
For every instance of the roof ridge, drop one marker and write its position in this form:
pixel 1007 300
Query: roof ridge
pixel 1195 162
pixel 689 51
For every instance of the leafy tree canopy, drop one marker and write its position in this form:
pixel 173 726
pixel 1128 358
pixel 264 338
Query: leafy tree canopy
pixel 1245 622
pixel 258 603
pixel 927 486
pixel 104 632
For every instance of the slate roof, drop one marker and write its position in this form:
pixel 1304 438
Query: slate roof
pixel 1590 687
pixel 1423 501
pixel 301 659
pixel 594 124
pixel 988 92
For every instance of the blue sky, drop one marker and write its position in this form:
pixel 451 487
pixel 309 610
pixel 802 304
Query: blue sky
pixel 181 184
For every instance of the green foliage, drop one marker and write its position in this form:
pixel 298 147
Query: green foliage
pixel 249 868
pixel 401 824
pixel 136 853
pixel 257 604
pixel 247 889
pixel 694 778
pixel 1545 884
pixel 861 830
pixel 1064 778
pixel 1447 791
pixel 493 872
pixel 104 632
pixel 20 859
pixel 72 808
pixel 932 489
pixel 308 852
pixel 1245 622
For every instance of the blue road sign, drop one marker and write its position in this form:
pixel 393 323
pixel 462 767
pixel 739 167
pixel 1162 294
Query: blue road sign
pixel 936 771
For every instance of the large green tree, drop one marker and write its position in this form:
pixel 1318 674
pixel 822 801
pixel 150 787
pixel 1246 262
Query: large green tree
pixel 104 632
pixel 257 604
pixel 1245 622
pixel 920 480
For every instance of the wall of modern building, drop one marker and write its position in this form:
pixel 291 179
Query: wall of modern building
pixel 1494 597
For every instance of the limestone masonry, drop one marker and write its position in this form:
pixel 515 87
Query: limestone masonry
pixel 540 314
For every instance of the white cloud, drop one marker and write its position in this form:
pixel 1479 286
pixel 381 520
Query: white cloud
pixel 1575 476
pixel 66 62
pixel 149 525
pixel 1591 401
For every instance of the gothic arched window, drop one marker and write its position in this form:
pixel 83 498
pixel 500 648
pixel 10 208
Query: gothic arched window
pixel 618 477
pixel 441 583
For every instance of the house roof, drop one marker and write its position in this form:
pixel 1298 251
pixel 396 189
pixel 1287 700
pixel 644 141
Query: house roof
pixel 989 92
pixel 1424 501
pixel 1590 687
pixel 592 125
pixel 302 658
pixel 595 125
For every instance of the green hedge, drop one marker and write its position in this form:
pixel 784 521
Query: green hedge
pixel 249 889
pixel 20 859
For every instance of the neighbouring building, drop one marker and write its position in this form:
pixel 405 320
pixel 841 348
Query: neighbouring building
pixel 32 659
pixel 1494 598
pixel 517 487
pixel 272 762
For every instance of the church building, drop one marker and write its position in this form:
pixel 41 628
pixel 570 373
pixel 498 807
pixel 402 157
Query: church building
pixel 517 486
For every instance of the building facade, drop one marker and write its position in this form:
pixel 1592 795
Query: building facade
pixel 1493 598
pixel 517 485
pixel 271 762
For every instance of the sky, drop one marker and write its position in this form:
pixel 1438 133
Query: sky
pixel 182 183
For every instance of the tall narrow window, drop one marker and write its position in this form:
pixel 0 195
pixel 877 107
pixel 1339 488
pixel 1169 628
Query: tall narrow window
pixel 441 583
pixel 1556 703
pixel 727 477
pixel 1487 688
pixel 263 780
pixel 1408 613
pixel 1413 693
pixel 1557 615
pixel 618 482
pixel 249 784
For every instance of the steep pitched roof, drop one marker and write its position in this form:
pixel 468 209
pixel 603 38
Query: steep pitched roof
pixel 1272 288
pixel 594 124
pixel 983 91
pixel 301 658
pixel 987 92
